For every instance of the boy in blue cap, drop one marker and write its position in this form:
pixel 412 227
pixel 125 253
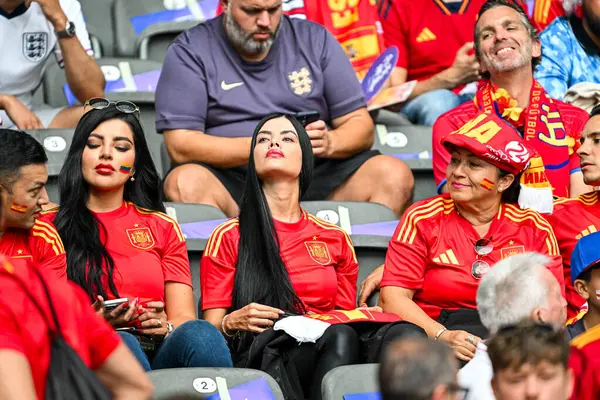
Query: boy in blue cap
pixel 585 275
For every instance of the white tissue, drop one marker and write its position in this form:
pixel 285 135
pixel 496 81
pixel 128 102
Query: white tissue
pixel 301 328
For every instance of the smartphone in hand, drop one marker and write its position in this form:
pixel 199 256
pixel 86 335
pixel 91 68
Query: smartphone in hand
pixel 307 117
pixel 110 305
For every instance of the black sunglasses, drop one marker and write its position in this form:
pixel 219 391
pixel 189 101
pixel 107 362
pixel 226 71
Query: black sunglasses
pixel 100 103
pixel 483 247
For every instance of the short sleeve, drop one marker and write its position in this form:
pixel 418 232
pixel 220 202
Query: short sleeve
pixel 181 93
pixel 341 99
pixel 72 10
pixel 552 72
pixel 347 275
pixel 175 261
pixel 101 338
pixel 10 329
pixel 441 156
pixel 47 248
pixel 406 259
pixel 394 30
pixel 217 267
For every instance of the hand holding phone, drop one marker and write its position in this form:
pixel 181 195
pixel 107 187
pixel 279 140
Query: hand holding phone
pixel 308 117
pixel 110 305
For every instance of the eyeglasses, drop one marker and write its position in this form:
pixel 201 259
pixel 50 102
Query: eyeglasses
pixel 100 103
pixel 483 247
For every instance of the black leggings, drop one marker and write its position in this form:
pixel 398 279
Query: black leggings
pixel 343 345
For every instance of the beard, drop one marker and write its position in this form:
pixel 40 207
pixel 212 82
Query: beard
pixel 244 41
pixel 593 20
pixel 519 60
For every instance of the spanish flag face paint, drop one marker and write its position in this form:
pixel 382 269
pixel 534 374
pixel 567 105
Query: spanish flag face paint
pixel 125 169
pixel 18 208
pixel 487 184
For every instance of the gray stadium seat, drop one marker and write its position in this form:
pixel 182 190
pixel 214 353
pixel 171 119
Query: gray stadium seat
pixel 134 18
pixel 372 226
pixel 153 42
pixel 201 219
pixel 350 379
pixel 56 142
pixel 99 23
pixel 411 144
pixel 200 383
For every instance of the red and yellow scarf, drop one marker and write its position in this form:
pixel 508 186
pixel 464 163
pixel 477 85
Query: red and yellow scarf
pixel 541 126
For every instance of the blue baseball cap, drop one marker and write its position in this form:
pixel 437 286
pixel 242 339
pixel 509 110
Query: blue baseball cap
pixel 585 255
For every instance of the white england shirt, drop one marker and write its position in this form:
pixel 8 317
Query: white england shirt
pixel 27 39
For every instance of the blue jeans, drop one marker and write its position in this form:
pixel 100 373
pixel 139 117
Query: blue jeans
pixel 426 108
pixel 194 343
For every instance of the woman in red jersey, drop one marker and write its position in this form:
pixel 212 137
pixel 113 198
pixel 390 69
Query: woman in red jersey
pixel 121 244
pixel 25 339
pixel 444 245
pixel 275 258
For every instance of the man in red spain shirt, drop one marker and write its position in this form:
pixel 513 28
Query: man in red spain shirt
pixel 508 50
pixel 23 176
pixel 574 218
pixel 434 41
pixel 585 363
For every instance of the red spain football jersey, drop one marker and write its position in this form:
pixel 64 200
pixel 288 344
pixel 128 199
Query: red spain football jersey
pixel 585 363
pixel 24 329
pixel 542 12
pixel 571 220
pixel 319 258
pixel 428 33
pixel 148 249
pixel 433 249
pixel 41 245
pixel 573 119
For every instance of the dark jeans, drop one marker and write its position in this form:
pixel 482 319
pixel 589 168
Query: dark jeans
pixel 195 343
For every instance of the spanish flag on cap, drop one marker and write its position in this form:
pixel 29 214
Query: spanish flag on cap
pixel 492 139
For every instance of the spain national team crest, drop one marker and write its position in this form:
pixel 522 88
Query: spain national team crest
pixel 35 45
pixel 301 81
pixel 140 238
pixel 511 251
pixel 319 252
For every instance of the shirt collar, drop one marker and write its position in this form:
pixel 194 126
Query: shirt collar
pixel 582 37
pixel 20 10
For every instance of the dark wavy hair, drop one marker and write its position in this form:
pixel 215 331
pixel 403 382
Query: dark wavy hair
pixel 77 225
pixel 261 276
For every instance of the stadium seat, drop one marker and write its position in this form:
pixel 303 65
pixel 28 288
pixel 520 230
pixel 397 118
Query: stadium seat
pixel 153 42
pixel 411 144
pixel 99 23
pixel 341 382
pixel 371 226
pixel 208 383
pixel 134 18
pixel 197 222
pixel 56 142
pixel 387 117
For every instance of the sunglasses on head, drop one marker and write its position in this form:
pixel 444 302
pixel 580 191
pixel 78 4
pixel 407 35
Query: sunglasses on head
pixel 483 247
pixel 100 103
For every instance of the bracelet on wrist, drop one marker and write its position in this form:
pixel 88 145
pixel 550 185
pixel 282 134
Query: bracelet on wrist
pixel 439 333
pixel 225 330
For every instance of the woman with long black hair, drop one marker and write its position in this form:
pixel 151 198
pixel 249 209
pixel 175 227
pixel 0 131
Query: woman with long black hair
pixel 276 259
pixel 121 245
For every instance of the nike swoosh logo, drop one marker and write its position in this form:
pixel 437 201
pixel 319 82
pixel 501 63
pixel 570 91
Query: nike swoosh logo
pixel 229 86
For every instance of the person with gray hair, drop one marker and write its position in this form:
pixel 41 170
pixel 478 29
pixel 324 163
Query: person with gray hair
pixel 517 288
pixel 417 368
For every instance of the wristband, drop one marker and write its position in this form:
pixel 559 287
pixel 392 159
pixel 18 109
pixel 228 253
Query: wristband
pixel 225 330
pixel 439 333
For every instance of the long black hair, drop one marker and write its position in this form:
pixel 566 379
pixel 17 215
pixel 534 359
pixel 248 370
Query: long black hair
pixel 261 275
pixel 77 225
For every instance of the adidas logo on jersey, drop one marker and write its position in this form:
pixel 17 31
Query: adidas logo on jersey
pixel 446 257
pixel 426 36
pixel 587 231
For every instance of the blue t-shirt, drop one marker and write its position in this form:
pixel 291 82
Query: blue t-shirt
pixel 205 85
pixel 569 56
